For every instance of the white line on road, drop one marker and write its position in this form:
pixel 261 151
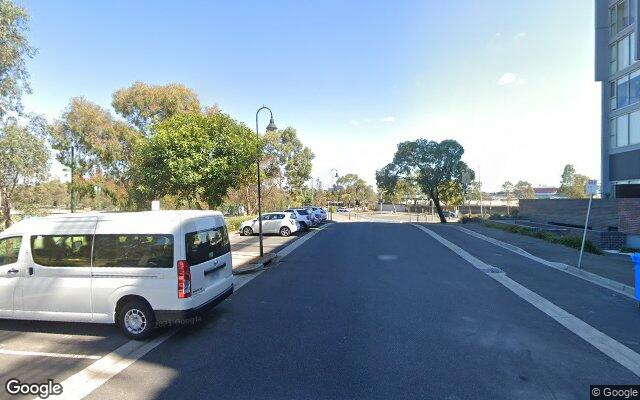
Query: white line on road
pixel 97 374
pixel 609 346
pixel 579 273
pixel 42 354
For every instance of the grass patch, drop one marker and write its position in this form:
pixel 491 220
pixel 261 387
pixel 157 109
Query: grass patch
pixel 233 223
pixel 626 249
pixel 573 241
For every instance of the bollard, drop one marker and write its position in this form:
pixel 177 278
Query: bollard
pixel 635 258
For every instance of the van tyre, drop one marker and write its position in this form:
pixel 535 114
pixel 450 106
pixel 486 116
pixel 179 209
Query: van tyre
pixel 285 231
pixel 304 226
pixel 136 320
pixel 246 231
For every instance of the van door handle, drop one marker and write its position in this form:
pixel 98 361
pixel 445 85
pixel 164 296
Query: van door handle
pixel 13 271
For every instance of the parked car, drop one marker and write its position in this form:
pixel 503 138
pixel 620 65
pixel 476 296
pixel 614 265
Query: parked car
pixel 134 269
pixel 302 216
pixel 320 213
pixel 342 210
pixel 315 218
pixel 282 223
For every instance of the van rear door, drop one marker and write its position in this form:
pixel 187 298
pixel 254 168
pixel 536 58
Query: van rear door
pixel 208 253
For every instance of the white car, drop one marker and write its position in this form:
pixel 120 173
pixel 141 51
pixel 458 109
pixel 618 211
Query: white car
pixel 282 223
pixel 135 269
pixel 302 216
pixel 320 213
pixel 342 210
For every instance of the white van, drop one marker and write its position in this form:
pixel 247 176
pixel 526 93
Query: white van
pixel 135 269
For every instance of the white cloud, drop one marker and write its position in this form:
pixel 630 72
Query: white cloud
pixel 388 119
pixel 520 35
pixel 507 78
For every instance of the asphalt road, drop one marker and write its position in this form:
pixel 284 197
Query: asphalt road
pixel 375 310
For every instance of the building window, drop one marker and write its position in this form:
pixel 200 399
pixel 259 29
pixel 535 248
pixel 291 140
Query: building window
pixel 613 64
pixel 622 91
pixel 634 127
pixel 612 134
pixel 622 130
pixel 622 15
pixel 634 87
pixel 623 53
pixel 612 95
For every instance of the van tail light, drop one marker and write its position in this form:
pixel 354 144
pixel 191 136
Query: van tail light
pixel 184 279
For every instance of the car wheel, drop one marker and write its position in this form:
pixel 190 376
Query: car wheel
pixel 303 226
pixel 285 231
pixel 246 231
pixel 136 320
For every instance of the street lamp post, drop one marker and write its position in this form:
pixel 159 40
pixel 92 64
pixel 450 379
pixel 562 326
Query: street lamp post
pixel 73 190
pixel 271 127
pixel 333 192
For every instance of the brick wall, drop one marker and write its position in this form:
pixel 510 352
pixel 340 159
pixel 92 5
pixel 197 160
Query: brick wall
pixel 629 216
pixel 606 214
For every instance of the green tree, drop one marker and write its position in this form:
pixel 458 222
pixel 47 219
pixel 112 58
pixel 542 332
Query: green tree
pixel 24 158
pixel 103 148
pixel 573 185
pixel 14 49
pixel 508 190
pixel 196 158
pixel 354 191
pixel 142 105
pixel 524 190
pixel 287 160
pixel 431 165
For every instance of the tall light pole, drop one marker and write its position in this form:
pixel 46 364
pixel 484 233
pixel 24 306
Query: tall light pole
pixel 333 191
pixel 73 191
pixel 271 127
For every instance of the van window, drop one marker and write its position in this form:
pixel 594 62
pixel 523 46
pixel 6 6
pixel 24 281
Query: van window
pixel 9 250
pixel 61 250
pixel 202 246
pixel 133 251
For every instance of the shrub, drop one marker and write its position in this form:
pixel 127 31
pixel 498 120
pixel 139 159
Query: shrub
pixel 573 241
pixel 626 249
pixel 233 223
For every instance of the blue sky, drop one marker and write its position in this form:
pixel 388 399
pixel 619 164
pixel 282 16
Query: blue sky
pixel 512 81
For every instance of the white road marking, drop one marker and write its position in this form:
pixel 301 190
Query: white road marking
pixel 609 346
pixel 579 273
pixel 8 352
pixel 97 374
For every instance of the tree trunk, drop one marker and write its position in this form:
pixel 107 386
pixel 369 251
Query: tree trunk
pixel 6 210
pixel 436 202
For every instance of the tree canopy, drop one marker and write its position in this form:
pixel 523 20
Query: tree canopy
pixel 14 50
pixel 573 185
pixel 142 104
pixel 24 158
pixel 436 168
pixel 195 157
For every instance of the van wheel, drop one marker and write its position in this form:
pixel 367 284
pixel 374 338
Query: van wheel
pixel 285 231
pixel 246 231
pixel 136 320
pixel 304 226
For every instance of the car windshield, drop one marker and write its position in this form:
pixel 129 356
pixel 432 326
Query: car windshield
pixel 303 212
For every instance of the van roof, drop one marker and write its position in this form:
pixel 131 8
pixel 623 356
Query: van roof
pixel 83 220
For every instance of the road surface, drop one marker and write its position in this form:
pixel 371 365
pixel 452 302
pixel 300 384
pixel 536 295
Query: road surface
pixel 385 311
